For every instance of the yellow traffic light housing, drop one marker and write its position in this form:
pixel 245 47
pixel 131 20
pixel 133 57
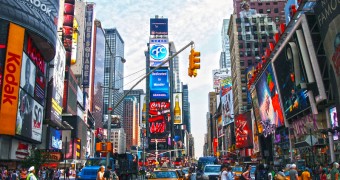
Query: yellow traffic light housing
pixel 194 60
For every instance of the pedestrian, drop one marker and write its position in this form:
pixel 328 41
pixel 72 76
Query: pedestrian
pixel 57 174
pixel 305 175
pixel 31 175
pixel 293 174
pixel 67 173
pixel 260 173
pixel 108 173
pixel 323 175
pixel 230 175
pixel 335 171
pixel 280 175
pixel 223 172
pixel 246 174
pixel 100 174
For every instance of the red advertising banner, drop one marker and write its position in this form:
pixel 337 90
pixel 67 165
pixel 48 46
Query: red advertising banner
pixel 215 144
pixel 159 117
pixel 243 131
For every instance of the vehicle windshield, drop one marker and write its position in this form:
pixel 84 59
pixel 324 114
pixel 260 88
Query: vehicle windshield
pixel 237 169
pixel 165 174
pixel 185 170
pixel 95 162
pixel 212 169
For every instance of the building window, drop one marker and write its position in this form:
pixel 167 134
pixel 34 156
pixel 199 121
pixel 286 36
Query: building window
pixel 263 28
pixel 240 45
pixel 239 29
pixel 267 3
pixel 261 11
pixel 241 63
pixel 269 19
pixel 256 53
pixel 253 20
pixel 241 54
pixel 243 72
pixel 256 44
pixel 275 3
pixel 250 62
pixel 248 45
pixel 246 20
pixel 249 53
pixel 238 20
pixel 239 37
pixel 264 44
pixel 247 37
pixel 243 80
pixel 260 4
pixel 263 36
pixel 268 11
pixel 270 27
pixel 244 89
pixel 261 19
pixel 276 10
pixel 277 19
pixel 247 28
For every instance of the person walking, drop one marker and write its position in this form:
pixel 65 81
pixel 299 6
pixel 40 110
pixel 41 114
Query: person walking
pixel 305 175
pixel 224 172
pixel 293 174
pixel 335 171
pixel 108 173
pixel 100 174
pixel 246 175
pixel 31 175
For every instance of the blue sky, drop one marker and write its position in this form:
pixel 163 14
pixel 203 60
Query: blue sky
pixel 189 20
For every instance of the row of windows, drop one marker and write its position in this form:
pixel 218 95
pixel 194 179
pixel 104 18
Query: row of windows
pixel 267 3
pixel 248 37
pixel 254 20
pixel 254 28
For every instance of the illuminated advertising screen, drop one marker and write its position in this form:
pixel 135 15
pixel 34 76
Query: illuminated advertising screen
pixel 87 45
pixel 249 72
pixel 269 102
pixel 256 111
pixel 142 110
pixel 159 85
pixel 159 126
pixel 58 83
pixel 159 26
pixel 177 107
pixel 70 149
pixel 68 29
pixel 243 131
pixel 219 127
pixel 290 73
pixel 55 139
pixel 334 122
pixel 227 108
pixel 159 52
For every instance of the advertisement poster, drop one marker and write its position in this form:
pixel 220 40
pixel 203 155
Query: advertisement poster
pixel 328 18
pixel 27 79
pixel 256 144
pixel 55 139
pixel 178 108
pixel 249 71
pixel 37 121
pixel 219 127
pixel 256 111
pixel 142 110
pixel 269 102
pixel 159 85
pixel 243 131
pixel 159 26
pixel 218 76
pixel 334 122
pixel 159 52
pixel 20 150
pixel 290 74
pixel 227 108
pixel 226 85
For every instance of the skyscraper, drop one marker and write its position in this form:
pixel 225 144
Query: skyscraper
pixel 177 80
pixel 186 108
pixel 225 55
pixel 130 121
pixel 114 51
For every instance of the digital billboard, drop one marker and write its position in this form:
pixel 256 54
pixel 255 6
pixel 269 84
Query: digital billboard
pixel 11 78
pixel 219 127
pixel 177 107
pixel 256 111
pixel 68 29
pixel 87 45
pixel 159 126
pixel 290 73
pixel 227 108
pixel 243 131
pixel 159 85
pixel 39 16
pixel 268 99
pixel 142 105
pixel 55 139
pixel 159 52
pixel 58 83
pixel 334 122
pixel 159 26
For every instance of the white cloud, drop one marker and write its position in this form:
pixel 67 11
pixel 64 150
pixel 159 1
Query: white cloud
pixel 189 20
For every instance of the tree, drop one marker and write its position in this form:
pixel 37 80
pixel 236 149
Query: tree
pixel 36 159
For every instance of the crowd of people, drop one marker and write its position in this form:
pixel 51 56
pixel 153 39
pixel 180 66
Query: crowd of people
pixel 290 172
pixel 31 173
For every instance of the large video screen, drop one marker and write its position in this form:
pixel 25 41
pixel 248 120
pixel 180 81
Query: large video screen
pixel 290 75
pixel 268 99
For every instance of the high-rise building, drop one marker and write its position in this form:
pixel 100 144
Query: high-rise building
pixel 118 137
pixel 131 121
pixel 177 80
pixel 225 54
pixel 186 108
pixel 251 28
pixel 114 51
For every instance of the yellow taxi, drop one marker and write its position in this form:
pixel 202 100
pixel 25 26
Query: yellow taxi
pixel 165 174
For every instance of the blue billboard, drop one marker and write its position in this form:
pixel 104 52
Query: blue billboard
pixel 159 85
pixel 158 26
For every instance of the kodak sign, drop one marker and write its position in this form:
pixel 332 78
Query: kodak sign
pixel 11 81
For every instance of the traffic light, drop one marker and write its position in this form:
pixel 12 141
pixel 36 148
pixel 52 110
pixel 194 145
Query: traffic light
pixel 194 60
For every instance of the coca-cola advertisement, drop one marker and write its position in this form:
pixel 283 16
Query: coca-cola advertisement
pixel 243 131
pixel 159 120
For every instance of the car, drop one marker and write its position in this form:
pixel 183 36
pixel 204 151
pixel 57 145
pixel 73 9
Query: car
pixel 211 172
pixel 164 174
pixel 237 170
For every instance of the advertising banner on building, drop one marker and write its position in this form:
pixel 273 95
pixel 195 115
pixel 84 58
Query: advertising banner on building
pixel 159 52
pixel 10 88
pixel 243 131
pixel 226 85
pixel 58 82
pixel 218 75
pixel 68 29
pixel 255 134
pixel 142 105
pixel 328 18
pixel 303 126
pixel 159 85
pixel 219 126
pixel 88 44
pixel 159 123
pixel 334 122
pixel 178 108
pixel 20 150
pixel 55 139
pixel 42 15
pixel 269 102
pixel 227 108
pixel 159 26
pixel 290 73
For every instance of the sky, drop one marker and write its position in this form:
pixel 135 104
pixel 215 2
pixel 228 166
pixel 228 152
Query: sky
pixel 188 20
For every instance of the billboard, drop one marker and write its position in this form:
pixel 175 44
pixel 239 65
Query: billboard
pixel 243 131
pixel 159 126
pixel 328 19
pixel 142 106
pixel 87 44
pixel 55 139
pixel 20 150
pixel 334 122
pixel 268 99
pixel 159 26
pixel 227 108
pixel 290 73
pixel 226 84
pixel 256 110
pixel 39 16
pixel 218 75
pixel 178 108
pixel 219 127
pixel 10 88
pixel 68 29
pixel 159 52
pixel 159 85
